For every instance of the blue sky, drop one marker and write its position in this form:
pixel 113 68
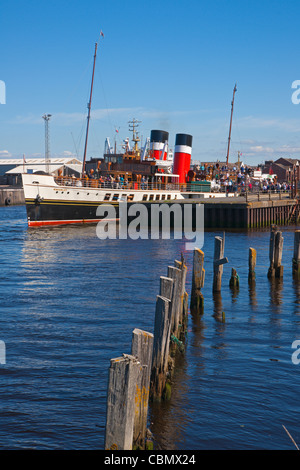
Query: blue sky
pixel 170 64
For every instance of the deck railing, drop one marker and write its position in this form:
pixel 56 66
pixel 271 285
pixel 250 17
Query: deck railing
pixel 123 185
pixel 253 193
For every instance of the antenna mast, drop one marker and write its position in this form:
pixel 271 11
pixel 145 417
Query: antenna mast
pixel 46 118
pixel 89 111
pixel 133 125
pixel 229 137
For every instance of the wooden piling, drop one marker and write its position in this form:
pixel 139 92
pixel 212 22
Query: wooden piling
pixel 296 257
pixel 271 271
pixel 141 348
pixel 160 359
pixel 252 264
pixel 146 373
pixel 197 299
pixel 275 253
pixel 175 274
pixel 166 287
pixel 219 260
pixel 123 375
pixel 182 318
pixel 278 255
pixel 185 306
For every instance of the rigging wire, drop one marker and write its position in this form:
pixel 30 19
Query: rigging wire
pixel 114 128
pixel 76 86
pixel 240 149
pixel 75 145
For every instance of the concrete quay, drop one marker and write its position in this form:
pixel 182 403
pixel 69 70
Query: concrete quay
pixel 11 196
pixel 237 212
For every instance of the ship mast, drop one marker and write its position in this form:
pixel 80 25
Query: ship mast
pixel 229 137
pixel 89 112
pixel 133 125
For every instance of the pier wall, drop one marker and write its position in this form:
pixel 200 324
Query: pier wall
pixel 231 213
pixel 248 214
pixel 11 196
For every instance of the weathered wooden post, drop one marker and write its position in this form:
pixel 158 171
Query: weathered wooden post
pixel 166 287
pixel 197 299
pixel 182 318
pixel 179 309
pixel 234 282
pixel 271 271
pixel 185 307
pixel 160 348
pixel 123 374
pixel 175 274
pixel 219 260
pixel 275 253
pixel 296 257
pixel 141 348
pixel 278 255
pixel 252 264
pixel 169 288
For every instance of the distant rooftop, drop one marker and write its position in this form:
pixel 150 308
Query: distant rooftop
pixel 29 168
pixel 39 161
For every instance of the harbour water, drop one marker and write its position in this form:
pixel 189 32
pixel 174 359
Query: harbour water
pixel 69 303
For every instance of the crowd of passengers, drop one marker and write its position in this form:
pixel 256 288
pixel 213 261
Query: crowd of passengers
pixel 108 181
pixel 238 180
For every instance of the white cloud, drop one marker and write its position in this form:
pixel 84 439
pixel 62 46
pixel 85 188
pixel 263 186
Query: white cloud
pixel 65 118
pixel 67 153
pixel 5 154
pixel 288 125
pixel 273 151
pixel 261 148
pixel 288 149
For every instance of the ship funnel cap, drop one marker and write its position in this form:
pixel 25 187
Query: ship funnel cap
pixel 184 139
pixel 159 136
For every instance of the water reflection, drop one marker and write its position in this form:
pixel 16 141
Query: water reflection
pixel 218 312
pixel 252 293
pixel 296 290
pixel 234 294
pixel 169 420
pixel 276 287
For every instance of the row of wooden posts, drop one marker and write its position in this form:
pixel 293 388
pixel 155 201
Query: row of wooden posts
pixel 145 374
pixel 275 269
